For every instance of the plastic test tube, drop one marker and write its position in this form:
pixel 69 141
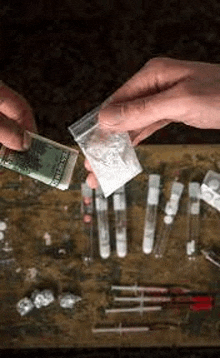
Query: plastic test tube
pixel 87 211
pixel 151 213
pixel 103 225
pixel 193 220
pixel 170 211
pixel 119 203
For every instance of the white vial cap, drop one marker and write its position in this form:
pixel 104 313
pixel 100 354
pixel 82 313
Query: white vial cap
pixel 120 190
pixel 168 219
pixel 3 226
pixel 154 180
pixel 153 196
pixel 207 196
pixel 217 203
pixel 101 203
pixel 194 190
pixel 177 188
pixel 195 209
pixel 171 208
pixel 98 191
pixel 119 201
pixel 214 184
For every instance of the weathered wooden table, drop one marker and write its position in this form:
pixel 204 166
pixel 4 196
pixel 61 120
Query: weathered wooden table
pixel 32 209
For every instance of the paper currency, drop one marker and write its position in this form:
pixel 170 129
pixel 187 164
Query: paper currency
pixel 47 161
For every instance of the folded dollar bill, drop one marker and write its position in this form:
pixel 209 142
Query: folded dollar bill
pixel 47 161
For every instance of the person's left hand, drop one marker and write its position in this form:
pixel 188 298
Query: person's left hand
pixel 16 117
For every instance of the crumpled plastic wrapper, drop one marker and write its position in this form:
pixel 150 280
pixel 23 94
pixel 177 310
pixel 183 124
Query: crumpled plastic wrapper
pixel 68 300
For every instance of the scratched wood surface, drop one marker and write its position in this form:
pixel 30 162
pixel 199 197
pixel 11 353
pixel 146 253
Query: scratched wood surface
pixel 31 209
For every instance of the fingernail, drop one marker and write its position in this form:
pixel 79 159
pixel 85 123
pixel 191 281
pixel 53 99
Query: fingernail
pixel 26 140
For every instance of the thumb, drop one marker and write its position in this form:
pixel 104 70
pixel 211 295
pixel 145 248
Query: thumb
pixel 145 111
pixel 12 135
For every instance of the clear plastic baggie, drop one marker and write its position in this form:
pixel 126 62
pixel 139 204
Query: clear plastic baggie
pixel 110 154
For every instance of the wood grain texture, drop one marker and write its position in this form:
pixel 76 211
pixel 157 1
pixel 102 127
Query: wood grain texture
pixel 32 209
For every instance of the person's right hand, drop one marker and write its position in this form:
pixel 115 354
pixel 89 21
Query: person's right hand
pixel 163 91
pixel 15 118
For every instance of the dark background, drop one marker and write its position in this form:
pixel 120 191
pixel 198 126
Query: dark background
pixel 66 57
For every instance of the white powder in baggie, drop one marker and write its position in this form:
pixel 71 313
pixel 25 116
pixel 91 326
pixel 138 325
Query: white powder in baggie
pixel 112 159
pixel 111 155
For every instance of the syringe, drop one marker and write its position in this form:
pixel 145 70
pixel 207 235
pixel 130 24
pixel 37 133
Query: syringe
pixel 212 256
pixel 119 203
pixel 87 212
pixel 151 213
pixel 103 225
pixel 193 220
pixel 170 211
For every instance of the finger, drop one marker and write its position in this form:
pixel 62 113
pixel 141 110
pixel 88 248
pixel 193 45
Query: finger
pixel 172 104
pixel 87 165
pixel 139 135
pixel 156 75
pixel 12 135
pixel 141 91
pixel 92 181
pixel 15 107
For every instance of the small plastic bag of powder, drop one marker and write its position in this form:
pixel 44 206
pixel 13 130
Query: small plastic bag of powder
pixel 111 155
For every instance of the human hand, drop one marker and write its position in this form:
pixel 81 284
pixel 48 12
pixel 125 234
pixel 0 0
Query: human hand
pixel 164 90
pixel 15 118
